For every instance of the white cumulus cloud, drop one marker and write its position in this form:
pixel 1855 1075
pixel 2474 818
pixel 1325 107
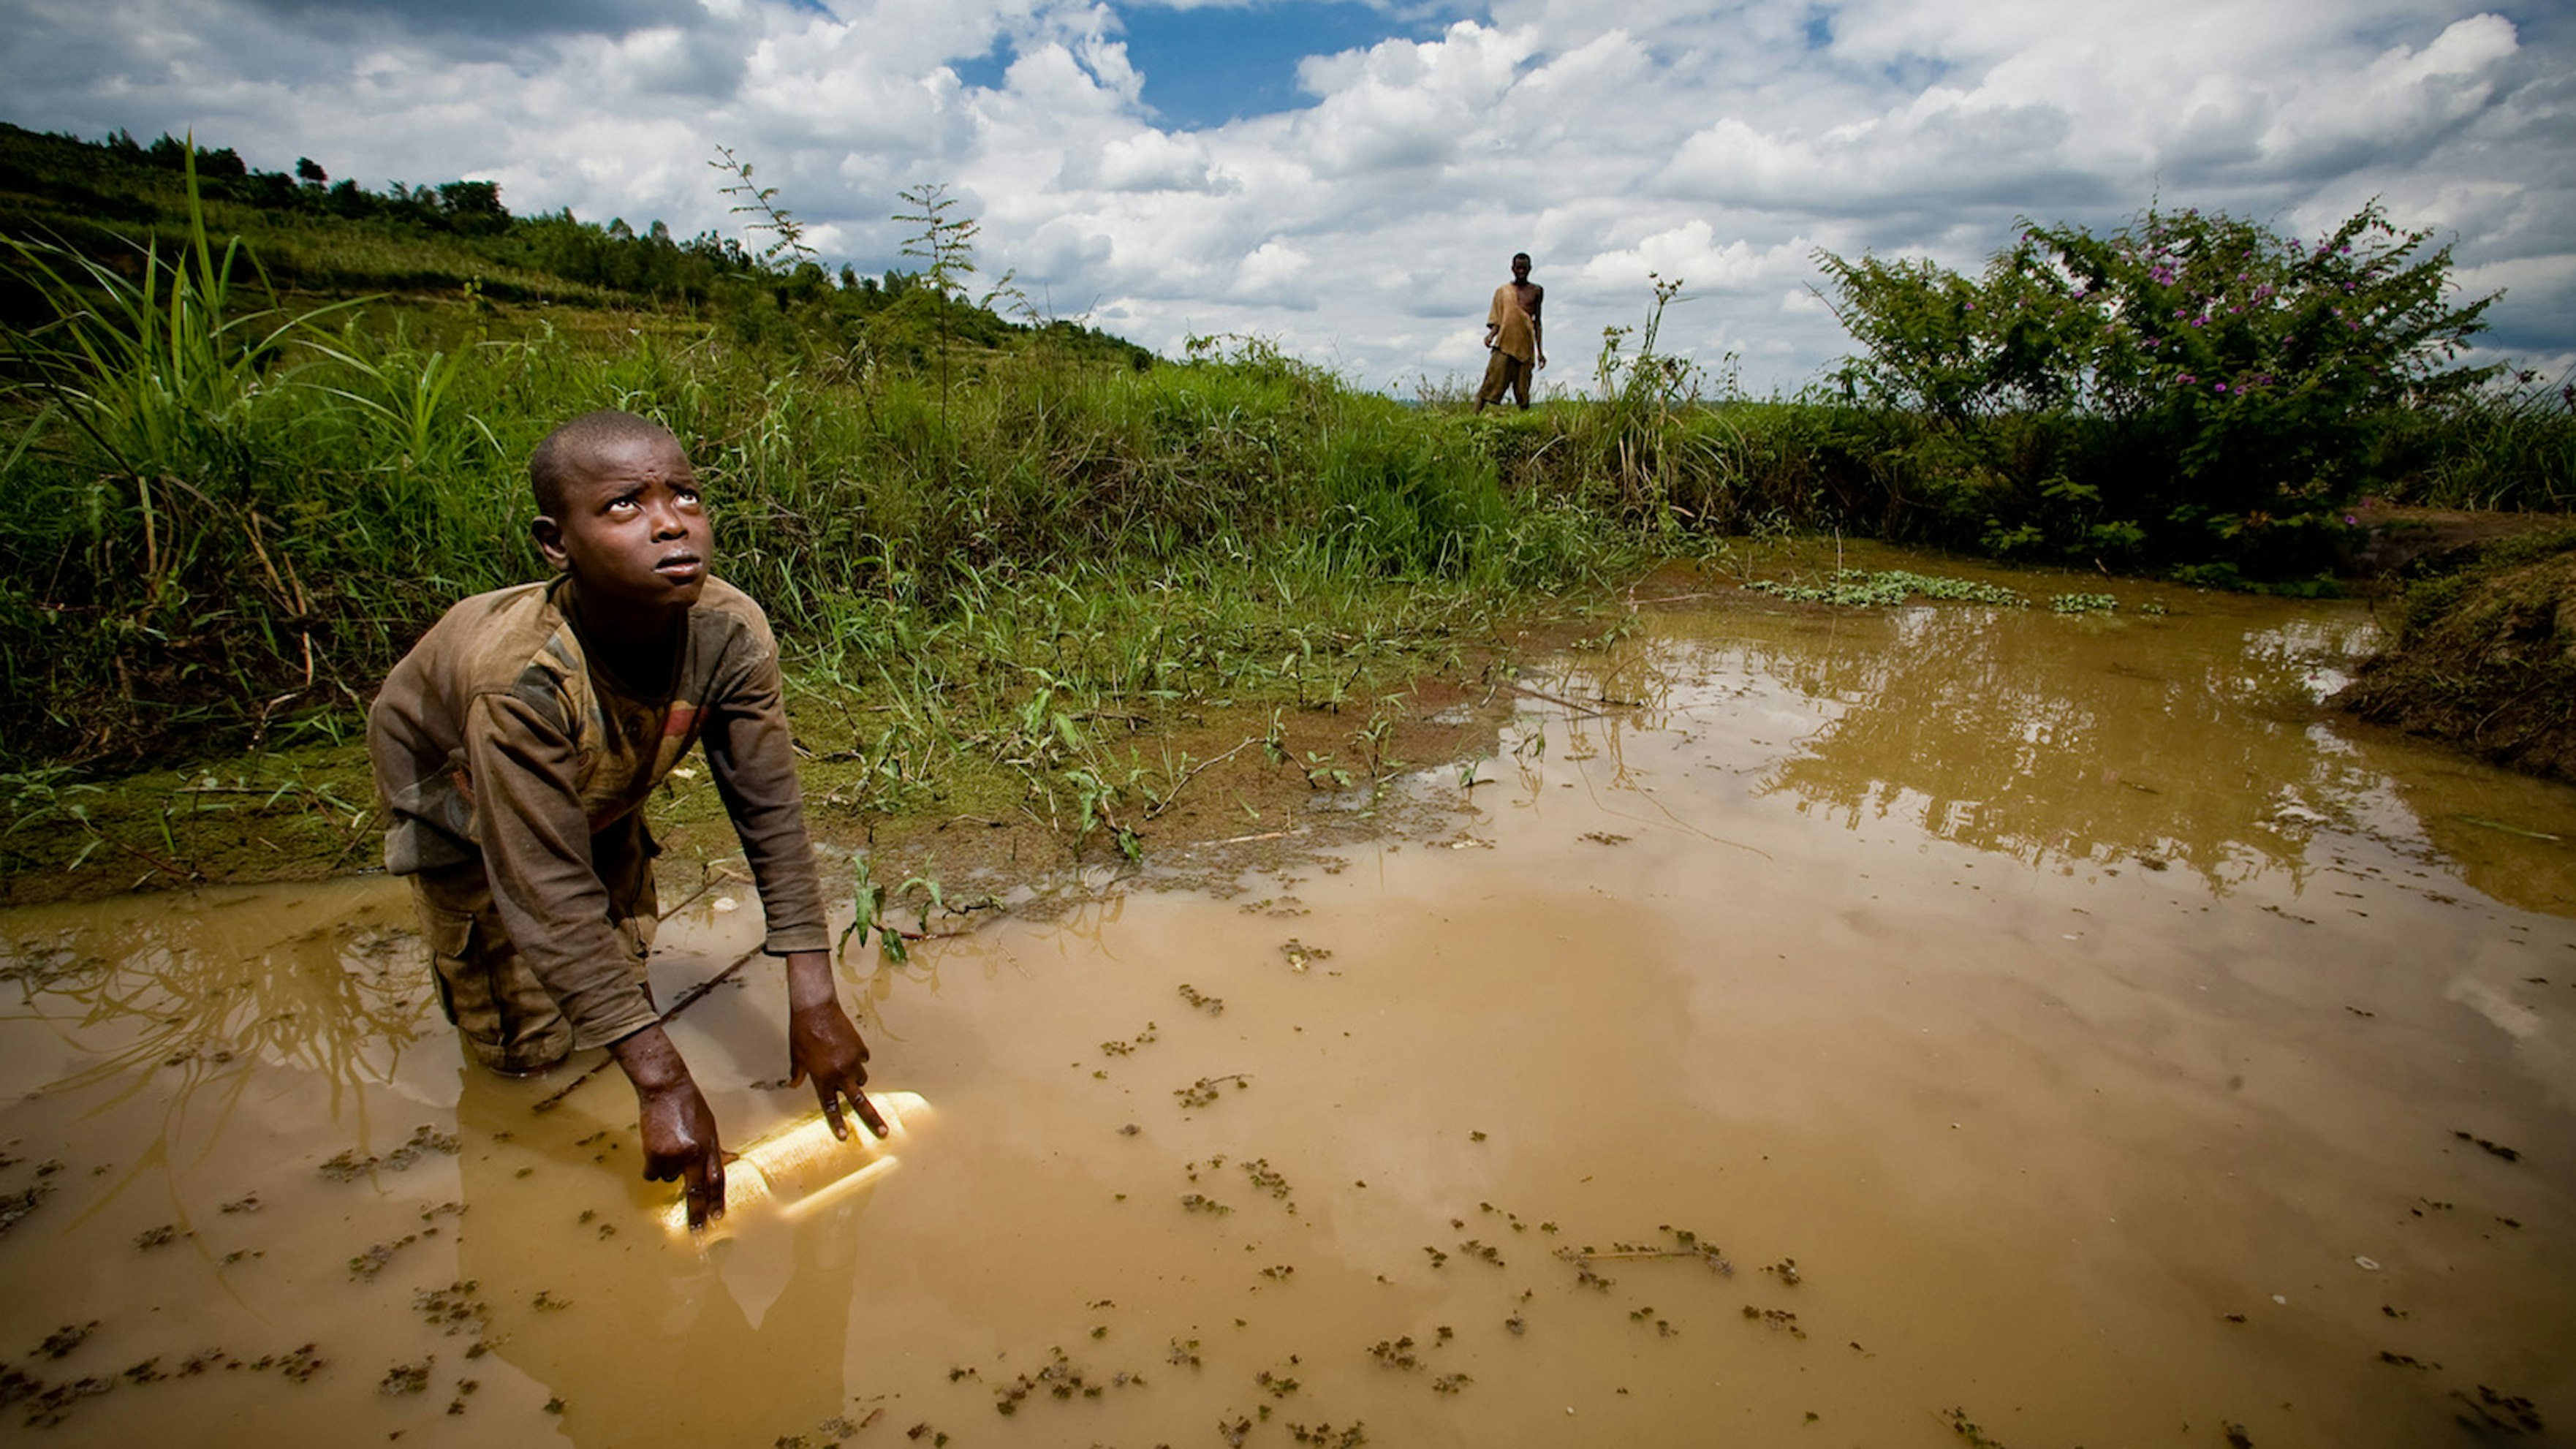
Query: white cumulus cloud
pixel 1365 227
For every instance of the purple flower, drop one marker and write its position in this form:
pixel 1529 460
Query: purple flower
pixel 2222 387
pixel 2186 379
pixel 2349 520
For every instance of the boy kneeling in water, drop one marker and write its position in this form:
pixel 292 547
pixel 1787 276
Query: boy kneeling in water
pixel 514 748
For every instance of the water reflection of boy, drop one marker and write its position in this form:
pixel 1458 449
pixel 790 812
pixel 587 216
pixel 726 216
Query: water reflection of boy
pixel 639 1338
pixel 1512 335
pixel 514 747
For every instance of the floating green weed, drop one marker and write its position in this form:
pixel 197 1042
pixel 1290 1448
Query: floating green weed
pixel 1862 588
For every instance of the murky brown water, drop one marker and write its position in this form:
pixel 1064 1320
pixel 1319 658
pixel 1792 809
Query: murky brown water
pixel 2049 1020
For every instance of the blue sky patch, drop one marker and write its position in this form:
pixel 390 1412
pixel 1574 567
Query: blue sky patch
pixel 1207 66
pixel 1819 28
pixel 985 71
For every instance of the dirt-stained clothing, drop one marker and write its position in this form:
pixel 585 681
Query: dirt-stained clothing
pixel 513 770
pixel 1504 373
pixel 1515 331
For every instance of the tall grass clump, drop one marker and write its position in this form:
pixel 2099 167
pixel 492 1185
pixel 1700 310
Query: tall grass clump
pixel 2507 446
pixel 155 553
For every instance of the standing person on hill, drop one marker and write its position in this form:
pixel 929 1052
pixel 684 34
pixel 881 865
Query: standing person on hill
pixel 1512 334
pixel 514 748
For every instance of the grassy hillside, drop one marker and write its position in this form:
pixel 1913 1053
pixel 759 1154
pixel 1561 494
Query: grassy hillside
pixel 457 242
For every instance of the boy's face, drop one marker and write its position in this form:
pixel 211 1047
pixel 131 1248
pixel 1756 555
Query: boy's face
pixel 632 529
pixel 1520 269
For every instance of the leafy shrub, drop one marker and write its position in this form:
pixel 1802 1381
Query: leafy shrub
pixel 2190 383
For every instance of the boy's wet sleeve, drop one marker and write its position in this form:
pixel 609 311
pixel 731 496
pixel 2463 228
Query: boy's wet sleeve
pixel 754 764
pixel 536 848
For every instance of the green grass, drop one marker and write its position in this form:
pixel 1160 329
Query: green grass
pixel 236 513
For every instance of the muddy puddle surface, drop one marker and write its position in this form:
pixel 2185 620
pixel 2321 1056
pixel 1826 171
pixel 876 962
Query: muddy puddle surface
pixel 1928 1027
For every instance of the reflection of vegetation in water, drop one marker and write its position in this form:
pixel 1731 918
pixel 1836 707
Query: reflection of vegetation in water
pixel 1630 688
pixel 2050 739
pixel 2508 836
pixel 183 994
pixel 2011 740
pixel 170 1008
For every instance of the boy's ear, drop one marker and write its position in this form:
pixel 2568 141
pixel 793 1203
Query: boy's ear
pixel 550 541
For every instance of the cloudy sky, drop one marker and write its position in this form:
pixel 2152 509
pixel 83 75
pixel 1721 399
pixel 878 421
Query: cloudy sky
pixel 1350 177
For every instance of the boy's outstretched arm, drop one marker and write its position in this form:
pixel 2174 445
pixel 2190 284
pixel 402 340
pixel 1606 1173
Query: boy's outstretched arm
pixel 754 763
pixel 679 1131
pixel 823 1045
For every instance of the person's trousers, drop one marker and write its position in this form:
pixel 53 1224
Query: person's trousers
pixel 1505 372
pixel 504 1016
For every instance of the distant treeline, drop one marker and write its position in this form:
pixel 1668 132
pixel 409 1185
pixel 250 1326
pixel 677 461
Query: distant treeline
pixel 313 232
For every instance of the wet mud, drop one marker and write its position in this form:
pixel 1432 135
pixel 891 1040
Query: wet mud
pixel 1931 1026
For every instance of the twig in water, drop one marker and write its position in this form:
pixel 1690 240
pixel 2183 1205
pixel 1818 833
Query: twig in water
pixel 1193 773
pixel 687 999
pixel 711 880
pixel 2509 829
pixel 1582 711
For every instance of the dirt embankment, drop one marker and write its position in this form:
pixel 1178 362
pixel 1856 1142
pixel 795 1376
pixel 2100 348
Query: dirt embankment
pixel 2484 651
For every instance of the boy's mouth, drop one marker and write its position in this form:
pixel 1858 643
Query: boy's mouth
pixel 680 566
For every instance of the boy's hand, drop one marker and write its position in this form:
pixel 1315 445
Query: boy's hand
pixel 823 1045
pixel 680 1142
pixel 679 1131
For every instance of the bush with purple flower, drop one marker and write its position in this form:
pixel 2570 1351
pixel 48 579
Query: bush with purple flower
pixel 2201 377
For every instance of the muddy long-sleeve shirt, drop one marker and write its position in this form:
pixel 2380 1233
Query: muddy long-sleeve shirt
pixel 496 739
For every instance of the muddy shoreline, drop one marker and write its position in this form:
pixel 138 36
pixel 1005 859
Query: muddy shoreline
pixel 306 813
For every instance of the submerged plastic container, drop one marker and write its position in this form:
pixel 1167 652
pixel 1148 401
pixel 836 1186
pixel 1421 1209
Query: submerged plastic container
pixel 801 1166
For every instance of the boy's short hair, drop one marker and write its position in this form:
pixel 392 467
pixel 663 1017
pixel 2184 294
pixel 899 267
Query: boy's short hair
pixel 560 456
pixel 1520 256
